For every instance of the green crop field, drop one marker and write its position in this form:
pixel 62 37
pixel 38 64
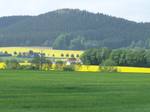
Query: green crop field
pixel 37 91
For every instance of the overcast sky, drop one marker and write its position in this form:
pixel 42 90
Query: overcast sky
pixel 137 10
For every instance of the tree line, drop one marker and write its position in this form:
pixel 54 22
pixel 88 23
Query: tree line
pixel 37 63
pixel 117 57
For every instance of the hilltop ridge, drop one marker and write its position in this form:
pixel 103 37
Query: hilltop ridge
pixel 73 29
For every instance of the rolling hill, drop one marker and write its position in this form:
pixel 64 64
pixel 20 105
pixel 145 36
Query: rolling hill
pixel 73 29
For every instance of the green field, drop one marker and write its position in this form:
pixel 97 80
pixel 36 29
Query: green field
pixel 37 91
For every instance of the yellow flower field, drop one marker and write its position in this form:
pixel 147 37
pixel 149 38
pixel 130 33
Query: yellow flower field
pixel 47 51
pixel 90 68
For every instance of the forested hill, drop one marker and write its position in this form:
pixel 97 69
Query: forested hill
pixel 73 29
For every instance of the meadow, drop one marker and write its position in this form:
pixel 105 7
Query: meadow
pixel 41 91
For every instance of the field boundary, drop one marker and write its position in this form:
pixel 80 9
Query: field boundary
pixel 91 68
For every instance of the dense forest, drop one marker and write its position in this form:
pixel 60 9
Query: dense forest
pixel 136 57
pixel 73 29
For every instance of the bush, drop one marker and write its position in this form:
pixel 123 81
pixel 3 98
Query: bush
pixel 12 64
pixel 69 68
pixel 108 62
pixel 108 69
pixel 30 67
pixel 59 65
pixel 108 66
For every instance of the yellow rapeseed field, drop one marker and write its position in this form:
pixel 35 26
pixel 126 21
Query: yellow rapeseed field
pixel 2 65
pixel 89 68
pixel 133 70
pixel 47 51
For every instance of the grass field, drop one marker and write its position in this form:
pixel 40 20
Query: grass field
pixel 35 91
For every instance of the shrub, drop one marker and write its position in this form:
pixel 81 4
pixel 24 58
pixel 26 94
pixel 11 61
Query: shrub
pixel 108 62
pixel 108 69
pixel 12 64
pixel 30 67
pixel 69 68
pixel 108 66
pixel 59 65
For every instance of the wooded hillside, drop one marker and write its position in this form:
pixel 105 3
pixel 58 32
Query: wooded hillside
pixel 73 29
